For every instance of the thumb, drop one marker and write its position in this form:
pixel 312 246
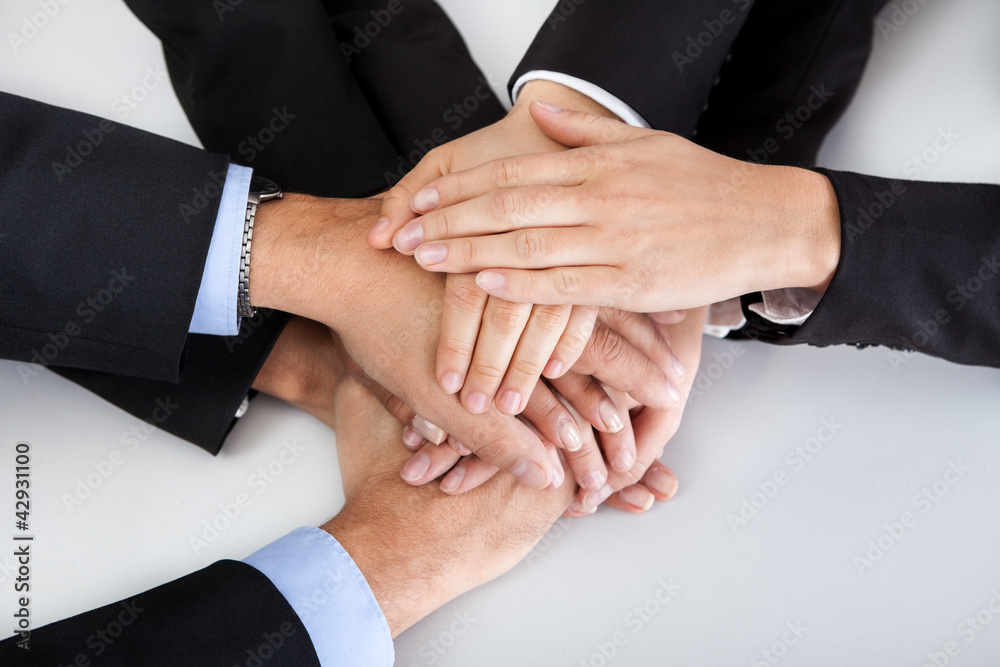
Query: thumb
pixel 578 128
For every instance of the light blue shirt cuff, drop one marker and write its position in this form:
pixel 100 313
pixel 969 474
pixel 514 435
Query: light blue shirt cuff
pixel 328 592
pixel 215 310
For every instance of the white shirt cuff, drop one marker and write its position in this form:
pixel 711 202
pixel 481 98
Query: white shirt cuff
pixel 596 93
pixel 326 589
pixel 791 306
pixel 215 310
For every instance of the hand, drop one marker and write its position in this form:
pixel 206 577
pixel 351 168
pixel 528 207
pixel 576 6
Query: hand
pixel 649 480
pixel 517 134
pixel 497 358
pixel 417 547
pixel 310 258
pixel 635 219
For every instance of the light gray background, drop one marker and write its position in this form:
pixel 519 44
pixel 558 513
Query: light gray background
pixel 902 424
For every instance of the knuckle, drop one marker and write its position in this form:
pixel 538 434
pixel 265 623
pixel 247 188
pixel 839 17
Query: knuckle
pixel 456 348
pixel 530 246
pixel 507 173
pixel 549 319
pixel 566 283
pixel 505 316
pixel 466 295
pixel 525 368
pixel 489 370
pixel 609 346
pixel 506 206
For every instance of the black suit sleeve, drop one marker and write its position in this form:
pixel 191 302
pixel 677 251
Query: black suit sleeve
pixel 105 233
pixel 638 51
pixel 918 271
pixel 227 614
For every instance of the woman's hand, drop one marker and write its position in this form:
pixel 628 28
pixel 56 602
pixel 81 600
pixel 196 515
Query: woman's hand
pixel 632 218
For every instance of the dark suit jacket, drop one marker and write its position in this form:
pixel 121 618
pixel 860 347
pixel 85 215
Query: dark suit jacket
pixel 362 119
pixel 766 81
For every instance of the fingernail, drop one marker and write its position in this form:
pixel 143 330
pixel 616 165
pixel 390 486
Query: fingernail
pixel 451 382
pixel 548 107
pixel 558 474
pixel 381 225
pixel 609 415
pixel 431 253
pixel 453 480
pixel 623 462
pixel 409 237
pixel 412 439
pixel 662 481
pixel 638 497
pixel 594 480
pixel 459 448
pixel 476 403
pixel 416 467
pixel 530 474
pixel 425 200
pixel 594 498
pixel 578 508
pixel 675 395
pixel 428 430
pixel 510 402
pixel 488 280
pixel 679 367
pixel 553 369
pixel 570 436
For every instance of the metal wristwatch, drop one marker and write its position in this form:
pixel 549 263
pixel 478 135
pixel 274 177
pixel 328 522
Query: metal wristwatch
pixel 261 190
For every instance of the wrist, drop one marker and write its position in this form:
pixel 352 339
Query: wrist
pixel 304 253
pixel 407 586
pixel 807 219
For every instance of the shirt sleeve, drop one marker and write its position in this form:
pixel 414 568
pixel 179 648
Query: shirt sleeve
pixel 791 306
pixel 331 597
pixel 215 309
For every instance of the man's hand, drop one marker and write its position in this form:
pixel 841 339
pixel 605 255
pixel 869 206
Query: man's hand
pixel 310 258
pixel 419 548
pixel 636 219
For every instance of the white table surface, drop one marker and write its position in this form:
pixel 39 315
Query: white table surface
pixel 735 592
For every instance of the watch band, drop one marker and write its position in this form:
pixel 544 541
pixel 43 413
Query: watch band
pixel 261 190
